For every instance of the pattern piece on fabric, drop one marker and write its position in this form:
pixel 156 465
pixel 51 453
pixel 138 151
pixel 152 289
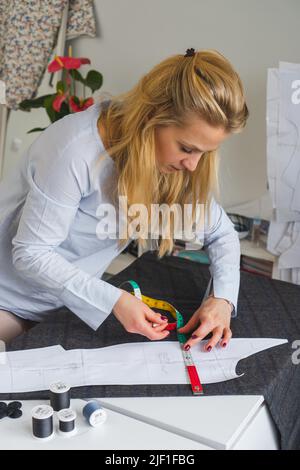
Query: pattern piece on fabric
pixel 267 309
pixel 157 362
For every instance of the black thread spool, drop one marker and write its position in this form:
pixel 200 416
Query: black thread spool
pixel 59 396
pixel 42 422
pixel 67 419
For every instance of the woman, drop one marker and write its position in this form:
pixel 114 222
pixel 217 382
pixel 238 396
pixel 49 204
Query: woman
pixel 158 144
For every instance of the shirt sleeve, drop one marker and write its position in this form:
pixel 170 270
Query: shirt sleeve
pixel 221 244
pixel 56 188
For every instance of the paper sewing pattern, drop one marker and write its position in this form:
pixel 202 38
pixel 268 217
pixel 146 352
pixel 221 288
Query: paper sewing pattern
pixel 123 364
pixel 283 167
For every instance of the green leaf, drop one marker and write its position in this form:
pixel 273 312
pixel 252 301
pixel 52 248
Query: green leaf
pixel 36 129
pixel 48 105
pixel 76 100
pixel 77 76
pixel 61 86
pixel 94 80
pixel 64 110
pixel 26 105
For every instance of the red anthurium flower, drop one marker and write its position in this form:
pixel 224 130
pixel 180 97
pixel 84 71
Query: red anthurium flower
pixel 69 63
pixel 83 104
pixel 58 101
pixel 84 60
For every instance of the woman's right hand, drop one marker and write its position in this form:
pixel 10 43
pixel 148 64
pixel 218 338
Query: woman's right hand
pixel 137 317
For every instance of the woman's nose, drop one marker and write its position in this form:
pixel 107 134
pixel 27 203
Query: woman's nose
pixel 191 163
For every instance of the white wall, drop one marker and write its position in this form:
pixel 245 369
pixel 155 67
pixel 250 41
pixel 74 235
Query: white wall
pixel 134 35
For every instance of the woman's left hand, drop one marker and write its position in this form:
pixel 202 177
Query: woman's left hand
pixel 213 316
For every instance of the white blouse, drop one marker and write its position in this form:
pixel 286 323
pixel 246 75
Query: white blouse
pixel 50 254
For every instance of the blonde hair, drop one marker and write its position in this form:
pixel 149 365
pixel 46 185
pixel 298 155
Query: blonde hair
pixel 203 85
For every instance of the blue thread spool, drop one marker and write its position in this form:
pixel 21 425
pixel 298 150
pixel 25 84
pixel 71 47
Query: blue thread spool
pixel 94 413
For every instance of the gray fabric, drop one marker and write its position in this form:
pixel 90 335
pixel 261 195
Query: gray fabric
pixel 267 308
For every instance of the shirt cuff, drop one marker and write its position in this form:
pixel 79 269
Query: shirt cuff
pixel 228 291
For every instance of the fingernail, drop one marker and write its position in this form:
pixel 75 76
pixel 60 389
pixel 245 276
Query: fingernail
pixel 194 336
pixel 224 344
pixel 209 348
pixel 163 317
pixel 187 347
pixel 171 326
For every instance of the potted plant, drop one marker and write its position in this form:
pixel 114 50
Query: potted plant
pixel 66 100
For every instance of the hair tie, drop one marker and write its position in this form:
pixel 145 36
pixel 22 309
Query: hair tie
pixel 190 52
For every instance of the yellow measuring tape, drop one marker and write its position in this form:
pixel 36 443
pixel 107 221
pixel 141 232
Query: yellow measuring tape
pixel 166 306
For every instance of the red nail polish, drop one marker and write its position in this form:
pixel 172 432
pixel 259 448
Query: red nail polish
pixel 187 347
pixel 163 317
pixel 194 336
pixel 171 326
pixel 224 344
pixel 209 348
